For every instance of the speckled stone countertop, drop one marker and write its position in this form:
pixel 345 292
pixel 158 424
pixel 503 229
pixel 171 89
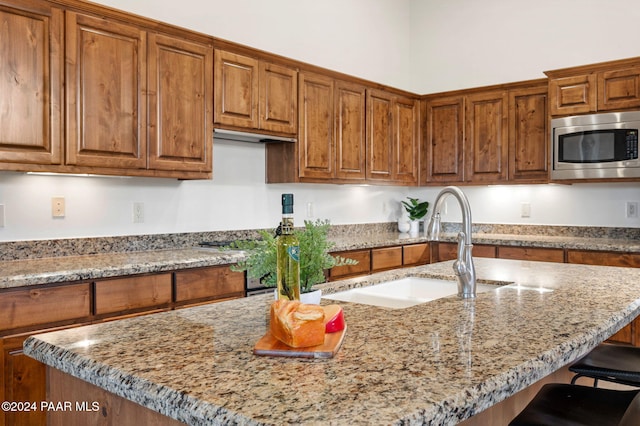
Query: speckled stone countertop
pixel 435 363
pixel 123 256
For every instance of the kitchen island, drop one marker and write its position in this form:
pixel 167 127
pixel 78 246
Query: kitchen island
pixel 437 363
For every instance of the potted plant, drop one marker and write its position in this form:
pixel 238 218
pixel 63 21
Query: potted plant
pixel 315 259
pixel 417 210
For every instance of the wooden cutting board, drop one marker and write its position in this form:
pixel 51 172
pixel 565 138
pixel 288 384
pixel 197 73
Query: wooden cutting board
pixel 270 346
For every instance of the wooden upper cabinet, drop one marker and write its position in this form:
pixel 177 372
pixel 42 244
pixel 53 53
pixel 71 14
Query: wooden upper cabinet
pixel 392 138
pixel 528 134
pixel 31 59
pixel 316 145
pixel 572 95
pixel 606 86
pixel 106 86
pixel 444 139
pixel 349 124
pixel 278 107
pixel 180 98
pixel 486 116
pixel 253 94
pixel 236 89
pixel 619 89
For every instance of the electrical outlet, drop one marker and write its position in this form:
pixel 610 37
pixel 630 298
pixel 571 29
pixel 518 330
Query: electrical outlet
pixel 57 207
pixel 631 209
pixel 138 212
pixel 525 209
pixel 310 210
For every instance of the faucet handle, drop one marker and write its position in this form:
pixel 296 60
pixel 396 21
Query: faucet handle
pixel 460 264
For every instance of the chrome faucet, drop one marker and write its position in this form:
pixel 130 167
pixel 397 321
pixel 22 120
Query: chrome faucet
pixel 463 266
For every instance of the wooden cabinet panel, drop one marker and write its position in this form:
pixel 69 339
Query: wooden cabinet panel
pixel 392 138
pixel 363 267
pixel 619 89
pixel 181 92
pixel 486 137
pixel 315 136
pixel 379 136
pixel 136 292
pixel 406 140
pixel 531 253
pixel 386 258
pixel 528 135
pixel 278 106
pixel 208 283
pixel 236 89
pixel 31 83
pixel 350 131
pixel 572 95
pixel 26 307
pixel 444 143
pixel 449 251
pixel 23 380
pixel 604 258
pixel 416 254
pixel 106 86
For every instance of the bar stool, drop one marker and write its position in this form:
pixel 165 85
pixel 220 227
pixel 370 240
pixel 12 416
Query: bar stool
pixel 609 362
pixel 573 405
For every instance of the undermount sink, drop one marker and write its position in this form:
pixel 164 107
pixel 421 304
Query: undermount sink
pixel 402 293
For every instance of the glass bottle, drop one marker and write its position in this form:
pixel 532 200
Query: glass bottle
pixel 288 254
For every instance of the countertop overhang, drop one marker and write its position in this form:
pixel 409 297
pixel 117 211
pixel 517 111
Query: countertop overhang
pixel 435 363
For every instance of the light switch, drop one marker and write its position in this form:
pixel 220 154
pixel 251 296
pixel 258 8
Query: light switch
pixel 525 209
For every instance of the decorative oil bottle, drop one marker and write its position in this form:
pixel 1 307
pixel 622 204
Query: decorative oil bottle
pixel 288 254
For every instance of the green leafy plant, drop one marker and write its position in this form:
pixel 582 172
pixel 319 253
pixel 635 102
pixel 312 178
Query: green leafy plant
pixel 416 209
pixel 260 261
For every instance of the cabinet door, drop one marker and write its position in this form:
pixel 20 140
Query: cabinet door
pixel 105 87
pixel 195 285
pixel 316 145
pixel 30 83
pixel 406 123
pixel 528 135
pixel 619 89
pixel 572 95
pixel 350 131
pixel 23 380
pixel 132 293
pixel 278 106
pixel 180 98
pixel 379 135
pixel 236 89
pixel 444 144
pixel 486 137
pixel 531 253
pixel 386 258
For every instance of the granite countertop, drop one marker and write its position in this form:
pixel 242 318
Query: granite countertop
pixel 47 270
pixel 435 363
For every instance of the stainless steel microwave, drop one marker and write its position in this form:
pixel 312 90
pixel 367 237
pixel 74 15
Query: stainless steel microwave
pixel 595 146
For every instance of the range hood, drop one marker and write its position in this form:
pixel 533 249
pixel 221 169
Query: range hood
pixel 232 135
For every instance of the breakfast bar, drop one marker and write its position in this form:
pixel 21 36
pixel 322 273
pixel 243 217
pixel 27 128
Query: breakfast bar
pixel 439 362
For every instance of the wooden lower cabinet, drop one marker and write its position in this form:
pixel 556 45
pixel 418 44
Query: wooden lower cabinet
pixel 630 334
pixel 449 251
pixel 416 254
pixel 531 253
pixel 38 309
pixel 363 267
pixel 386 258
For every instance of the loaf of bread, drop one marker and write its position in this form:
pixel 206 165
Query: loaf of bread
pixel 297 324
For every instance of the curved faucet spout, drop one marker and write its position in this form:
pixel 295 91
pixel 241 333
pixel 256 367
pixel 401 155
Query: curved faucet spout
pixel 463 267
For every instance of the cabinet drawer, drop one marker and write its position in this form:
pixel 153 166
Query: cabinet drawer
pixel 416 254
pixel 29 307
pixel 449 251
pixel 124 294
pixel 386 258
pixel 211 283
pixel 604 258
pixel 361 268
pixel 531 253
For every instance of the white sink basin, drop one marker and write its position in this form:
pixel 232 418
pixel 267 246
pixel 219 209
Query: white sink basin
pixel 402 293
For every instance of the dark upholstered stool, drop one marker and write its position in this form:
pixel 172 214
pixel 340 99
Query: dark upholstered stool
pixel 613 363
pixel 572 405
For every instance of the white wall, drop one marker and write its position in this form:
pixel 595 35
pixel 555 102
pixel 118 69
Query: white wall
pixel 410 44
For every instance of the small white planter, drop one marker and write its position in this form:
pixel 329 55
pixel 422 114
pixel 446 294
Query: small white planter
pixel 414 228
pixel 311 298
